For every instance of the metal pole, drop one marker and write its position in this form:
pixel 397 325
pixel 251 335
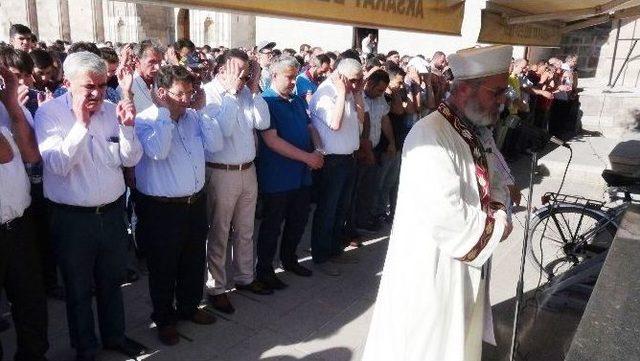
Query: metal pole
pixel 525 242
pixel 615 51
pixel 626 60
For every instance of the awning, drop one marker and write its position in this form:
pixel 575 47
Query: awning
pixel 429 16
pixel 543 22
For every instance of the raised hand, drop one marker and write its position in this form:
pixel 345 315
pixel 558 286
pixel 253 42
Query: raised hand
pixel 23 94
pixel 255 70
pixel 199 99
pixel 9 94
pixel 126 111
pixel 45 96
pixel 80 109
pixel 341 83
pixel 232 77
pixel 125 80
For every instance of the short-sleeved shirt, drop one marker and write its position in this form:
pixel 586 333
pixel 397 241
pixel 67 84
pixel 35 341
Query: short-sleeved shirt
pixel 277 173
pixel 304 84
pixel 377 108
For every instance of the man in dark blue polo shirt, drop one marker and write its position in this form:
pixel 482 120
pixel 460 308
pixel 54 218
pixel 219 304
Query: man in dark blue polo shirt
pixel 286 157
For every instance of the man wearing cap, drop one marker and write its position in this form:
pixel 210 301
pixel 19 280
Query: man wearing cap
pixel 264 51
pixel 449 219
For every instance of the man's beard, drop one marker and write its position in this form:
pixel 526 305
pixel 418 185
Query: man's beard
pixel 478 116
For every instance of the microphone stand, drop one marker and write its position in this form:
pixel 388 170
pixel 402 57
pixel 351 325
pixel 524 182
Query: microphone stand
pixel 520 287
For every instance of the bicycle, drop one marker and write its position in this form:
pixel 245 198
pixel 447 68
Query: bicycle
pixel 568 231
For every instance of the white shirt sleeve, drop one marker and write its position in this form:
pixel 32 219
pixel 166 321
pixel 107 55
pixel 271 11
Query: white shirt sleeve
pixel 211 132
pixel 261 116
pixel 60 153
pixel 130 147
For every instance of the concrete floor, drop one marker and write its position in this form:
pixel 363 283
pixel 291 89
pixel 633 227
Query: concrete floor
pixel 324 318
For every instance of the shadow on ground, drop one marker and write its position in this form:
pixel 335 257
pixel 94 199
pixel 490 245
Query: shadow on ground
pixel 543 333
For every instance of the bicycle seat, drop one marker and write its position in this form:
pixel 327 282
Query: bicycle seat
pixel 614 179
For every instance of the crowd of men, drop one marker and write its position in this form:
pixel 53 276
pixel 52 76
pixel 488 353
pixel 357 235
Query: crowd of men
pixel 186 142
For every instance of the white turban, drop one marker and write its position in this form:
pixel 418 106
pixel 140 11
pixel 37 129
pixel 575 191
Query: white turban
pixel 476 63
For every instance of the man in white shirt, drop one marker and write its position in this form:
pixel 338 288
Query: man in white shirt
pixel 170 180
pixel 369 45
pixel 337 109
pixel 85 142
pixel 380 137
pixel 20 268
pixel 149 57
pixel 232 189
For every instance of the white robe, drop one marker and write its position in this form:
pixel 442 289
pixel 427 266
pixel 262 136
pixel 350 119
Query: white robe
pixel 431 306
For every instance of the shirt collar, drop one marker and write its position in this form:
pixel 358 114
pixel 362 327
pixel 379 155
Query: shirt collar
pixel 272 93
pixel 217 85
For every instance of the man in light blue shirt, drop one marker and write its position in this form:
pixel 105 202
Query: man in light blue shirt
pixel 170 178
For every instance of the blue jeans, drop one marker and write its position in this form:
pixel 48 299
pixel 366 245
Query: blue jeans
pixel 334 185
pixel 91 252
pixel 387 182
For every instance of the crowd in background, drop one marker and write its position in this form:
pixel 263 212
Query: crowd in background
pixel 205 138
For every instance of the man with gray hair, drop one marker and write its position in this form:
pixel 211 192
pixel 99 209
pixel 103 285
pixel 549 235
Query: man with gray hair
pixel 337 110
pixel 286 157
pixel 85 142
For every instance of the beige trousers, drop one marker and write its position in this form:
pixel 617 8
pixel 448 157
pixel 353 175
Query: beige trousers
pixel 231 202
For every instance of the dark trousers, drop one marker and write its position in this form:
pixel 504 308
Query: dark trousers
pixel 292 208
pixel 364 194
pixel 21 278
pixel 334 191
pixel 40 211
pixel 91 250
pixel 175 247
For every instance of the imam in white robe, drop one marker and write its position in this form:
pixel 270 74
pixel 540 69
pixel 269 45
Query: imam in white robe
pixel 432 304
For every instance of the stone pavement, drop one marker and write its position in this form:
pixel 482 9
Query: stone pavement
pixel 324 318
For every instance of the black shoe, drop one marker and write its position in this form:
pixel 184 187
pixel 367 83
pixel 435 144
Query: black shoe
pixel 297 269
pixel 129 348
pixel 273 282
pixel 256 287
pixel 221 303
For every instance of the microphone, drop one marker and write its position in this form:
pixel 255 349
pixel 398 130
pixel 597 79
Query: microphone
pixel 558 141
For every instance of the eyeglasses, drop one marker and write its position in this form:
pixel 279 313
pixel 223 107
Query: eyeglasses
pixel 498 92
pixel 181 95
pixel 354 80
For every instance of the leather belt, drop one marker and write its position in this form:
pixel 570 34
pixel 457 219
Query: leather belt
pixel 230 166
pixel 97 209
pixel 178 200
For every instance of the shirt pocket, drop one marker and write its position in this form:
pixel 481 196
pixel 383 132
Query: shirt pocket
pixel 111 153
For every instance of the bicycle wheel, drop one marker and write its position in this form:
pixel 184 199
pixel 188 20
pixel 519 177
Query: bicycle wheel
pixel 563 237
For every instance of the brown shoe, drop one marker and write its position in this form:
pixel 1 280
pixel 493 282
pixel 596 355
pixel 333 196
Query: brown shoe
pixel 256 287
pixel 168 335
pixel 202 317
pixel 221 303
